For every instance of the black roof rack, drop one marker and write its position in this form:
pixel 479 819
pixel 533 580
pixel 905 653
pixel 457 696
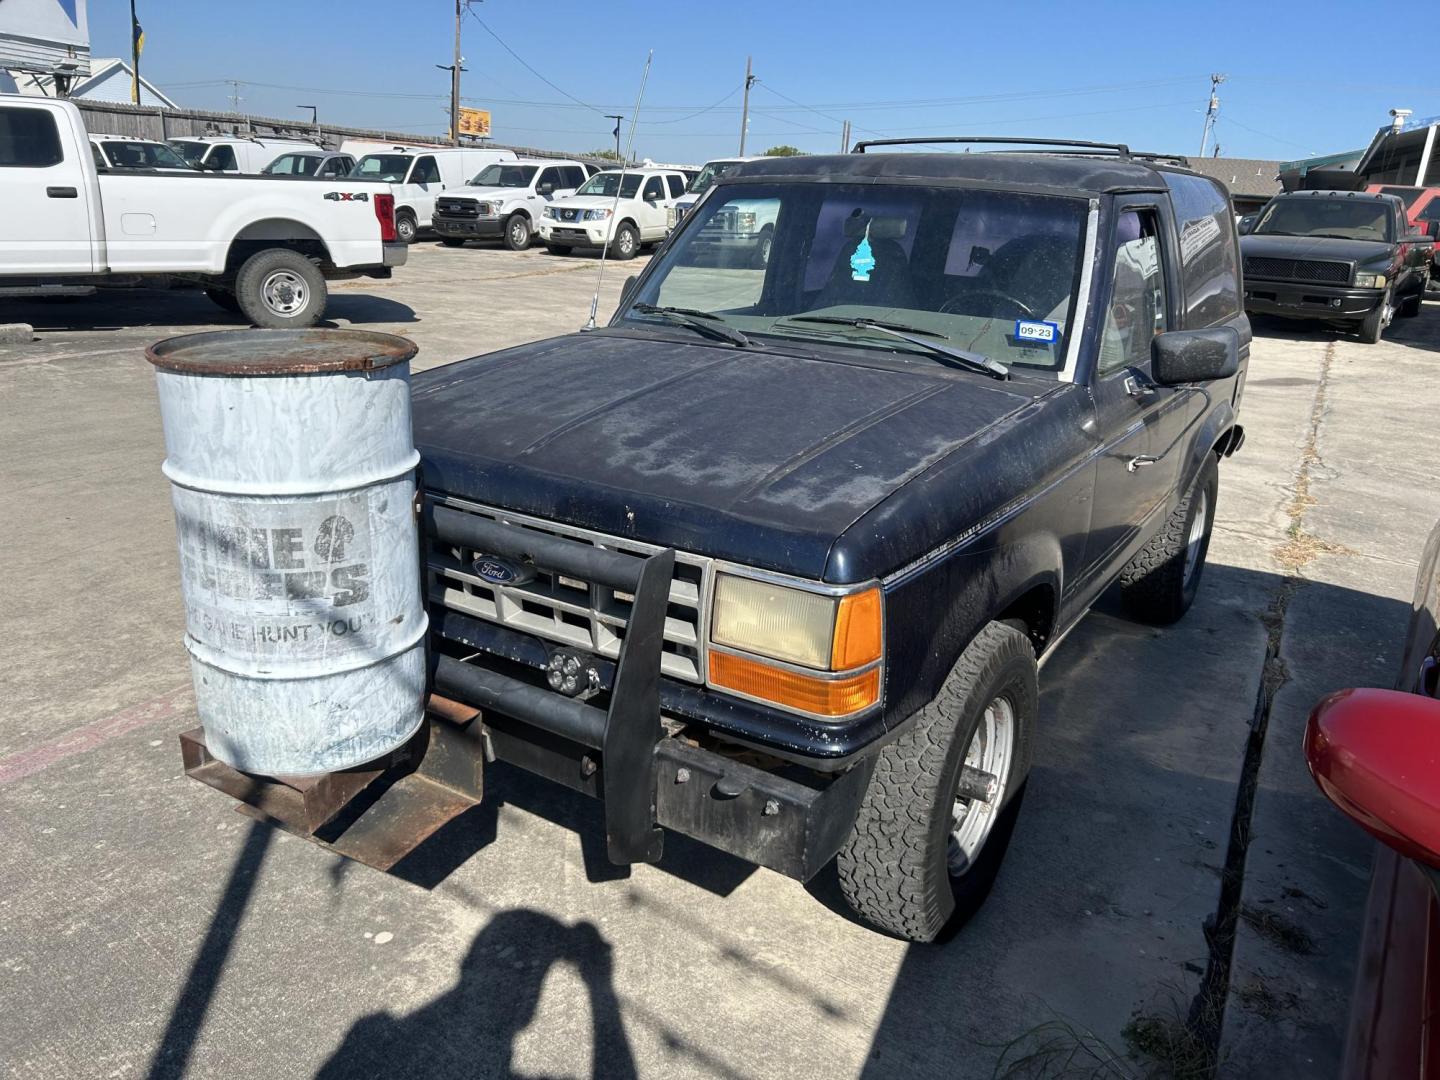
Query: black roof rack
pixel 1118 149
pixel 1172 159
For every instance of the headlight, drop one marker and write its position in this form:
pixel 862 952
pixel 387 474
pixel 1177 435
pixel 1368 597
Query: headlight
pixel 838 639
pixel 746 220
pixel 548 212
pixel 486 209
pixel 1369 281
pixel 597 215
pixel 671 216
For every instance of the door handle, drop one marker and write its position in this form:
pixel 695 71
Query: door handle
pixel 1137 463
pixel 62 192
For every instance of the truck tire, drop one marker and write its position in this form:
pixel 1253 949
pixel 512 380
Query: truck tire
pixel 452 241
pixel 406 228
pixel 1372 328
pixel 761 258
pixel 921 856
pixel 518 233
pixel 558 249
pixel 280 289
pixel 626 243
pixel 224 299
pixel 1159 584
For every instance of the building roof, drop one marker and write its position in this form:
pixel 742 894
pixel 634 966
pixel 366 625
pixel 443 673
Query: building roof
pixel 109 80
pixel 1243 176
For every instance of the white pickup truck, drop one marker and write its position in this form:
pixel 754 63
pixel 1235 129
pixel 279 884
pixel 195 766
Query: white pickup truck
pixel 264 246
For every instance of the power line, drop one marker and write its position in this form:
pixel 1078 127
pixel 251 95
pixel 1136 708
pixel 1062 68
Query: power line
pixel 521 60
pixel 1264 134
pixel 701 112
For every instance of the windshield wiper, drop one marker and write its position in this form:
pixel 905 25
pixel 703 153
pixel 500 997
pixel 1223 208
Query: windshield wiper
pixel 705 322
pixel 916 335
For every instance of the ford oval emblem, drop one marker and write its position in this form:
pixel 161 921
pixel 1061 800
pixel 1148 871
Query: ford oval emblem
pixel 499 572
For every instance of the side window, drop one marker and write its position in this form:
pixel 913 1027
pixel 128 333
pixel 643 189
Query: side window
pixel 29 139
pixel 100 162
pixel 1207 250
pixel 574 176
pixel 1430 212
pixel 1137 303
pixel 654 190
pixel 425 171
pixel 221 157
pixel 549 176
pixel 677 185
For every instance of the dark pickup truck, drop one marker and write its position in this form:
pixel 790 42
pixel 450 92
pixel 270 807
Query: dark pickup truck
pixel 1345 257
pixel 772 559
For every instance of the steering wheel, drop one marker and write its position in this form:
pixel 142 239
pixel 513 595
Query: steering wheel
pixel 953 305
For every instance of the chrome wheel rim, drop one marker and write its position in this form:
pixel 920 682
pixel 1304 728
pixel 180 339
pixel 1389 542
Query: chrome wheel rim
pixel 1197 534
pixel 517 233
pixel 627 242
pixel 404 229
pixel 765 251
pixel 972 820
pixel 284 292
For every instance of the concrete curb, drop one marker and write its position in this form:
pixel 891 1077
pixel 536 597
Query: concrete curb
pixel 16 333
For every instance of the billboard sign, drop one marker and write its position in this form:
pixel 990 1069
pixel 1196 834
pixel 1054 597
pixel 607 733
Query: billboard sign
pixel 51 36
pixel 473 122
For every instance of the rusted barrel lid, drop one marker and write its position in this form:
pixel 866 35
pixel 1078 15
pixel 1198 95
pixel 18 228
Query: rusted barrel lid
pixel 279 352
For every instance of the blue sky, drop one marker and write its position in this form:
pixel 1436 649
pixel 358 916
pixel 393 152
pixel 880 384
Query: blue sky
pixel 1302 78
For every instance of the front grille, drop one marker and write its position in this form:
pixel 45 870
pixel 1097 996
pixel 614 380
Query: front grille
pixel 568 215
pixel 457 207
pixel 569 611
pixel 1327 273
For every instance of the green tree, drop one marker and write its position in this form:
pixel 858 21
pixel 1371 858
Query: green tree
pixel 604 155
pixel 784 151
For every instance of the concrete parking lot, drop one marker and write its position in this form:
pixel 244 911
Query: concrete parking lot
pixel 146 929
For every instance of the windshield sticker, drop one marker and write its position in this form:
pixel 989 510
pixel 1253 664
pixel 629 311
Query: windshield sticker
pixel 1040 332
pixel 863 261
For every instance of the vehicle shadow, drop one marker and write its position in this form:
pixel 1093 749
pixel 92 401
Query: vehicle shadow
pixel 470 1030
pixel 1421 332
pixel 1123 840
pixel 123 309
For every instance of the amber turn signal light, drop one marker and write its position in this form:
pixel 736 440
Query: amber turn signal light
pixel 822 697
pixel 857 631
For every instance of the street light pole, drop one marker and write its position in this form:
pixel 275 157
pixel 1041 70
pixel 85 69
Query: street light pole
pixel 455 79
pixel 745 109
pixel 617 119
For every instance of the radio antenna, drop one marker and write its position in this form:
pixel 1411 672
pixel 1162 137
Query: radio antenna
pixel 619 184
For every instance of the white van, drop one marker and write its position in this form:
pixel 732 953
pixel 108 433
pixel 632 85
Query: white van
pixel 418 176
pixel 235 153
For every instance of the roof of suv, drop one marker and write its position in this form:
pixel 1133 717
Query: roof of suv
pixel 1092 174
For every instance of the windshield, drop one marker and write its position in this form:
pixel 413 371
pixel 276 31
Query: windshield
pixel 142 155
pixel 516 176
pixel 1341 218
pixel 708 175
pixel 293 165
pixel 992 272
pixel 389 167
pixel 192 152
pixel 605 183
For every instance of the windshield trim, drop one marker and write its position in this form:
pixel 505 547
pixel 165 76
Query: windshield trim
pixel 1082 295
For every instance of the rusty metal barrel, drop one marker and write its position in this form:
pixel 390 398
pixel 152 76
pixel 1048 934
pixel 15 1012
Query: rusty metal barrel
pixel 292 470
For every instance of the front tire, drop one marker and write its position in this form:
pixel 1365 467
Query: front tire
pixel 761 258
pixel 517 232
pixel 1372 328
pixel 923 853
pixel 1159 584
pixel 280 289
pixel 406 228
pixel 1411 305
pixel 626 243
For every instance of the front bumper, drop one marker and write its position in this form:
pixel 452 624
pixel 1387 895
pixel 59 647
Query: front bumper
pixel 1296 300
pixel 471 228
pixel 575 234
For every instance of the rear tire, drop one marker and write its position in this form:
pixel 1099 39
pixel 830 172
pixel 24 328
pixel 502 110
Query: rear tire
pixel 1372 328
pixel 406 228
pixel 558 249
pixel 280 289
pixel 1411 305
pixel 626 243
pixel 920 858
pixel 1159 584
pixel 518 234
pixel 452 241
pixel 223 299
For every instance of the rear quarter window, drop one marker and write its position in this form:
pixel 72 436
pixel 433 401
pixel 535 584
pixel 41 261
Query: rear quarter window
pixel 1209 269
pixel 29 139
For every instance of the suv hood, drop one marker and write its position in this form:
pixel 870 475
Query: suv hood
pixel 748 455
pixel 487 192
pixel 1315 247
pixel 589 202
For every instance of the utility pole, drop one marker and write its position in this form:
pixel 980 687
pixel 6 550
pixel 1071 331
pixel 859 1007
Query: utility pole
pixel 235 97
pixel 455 79
pixel 845 138
pixel 745 110
pixel 1212 112
pixel 617 119
pixel 134 58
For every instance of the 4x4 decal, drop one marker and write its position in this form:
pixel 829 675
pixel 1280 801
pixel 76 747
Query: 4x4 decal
pixel 348 196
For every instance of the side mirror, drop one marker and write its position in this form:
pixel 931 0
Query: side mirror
pixel 1368 751
pixel 627 290
pixel 1247 224
pixel 212 166
pixel 1189 356
pixel 546 189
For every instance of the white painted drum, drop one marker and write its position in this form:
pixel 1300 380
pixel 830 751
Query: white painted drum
pixel 292 469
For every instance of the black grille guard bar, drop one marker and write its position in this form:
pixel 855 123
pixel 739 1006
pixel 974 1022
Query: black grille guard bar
pixel 626 735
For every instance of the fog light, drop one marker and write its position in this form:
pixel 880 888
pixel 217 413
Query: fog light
pixel 569 674
pixel 1335 302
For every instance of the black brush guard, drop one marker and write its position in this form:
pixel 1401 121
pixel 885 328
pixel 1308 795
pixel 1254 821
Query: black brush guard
pixel 377 814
